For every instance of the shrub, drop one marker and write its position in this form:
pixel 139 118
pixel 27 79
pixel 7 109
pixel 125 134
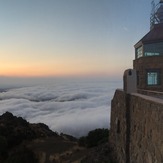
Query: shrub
pixel 95 138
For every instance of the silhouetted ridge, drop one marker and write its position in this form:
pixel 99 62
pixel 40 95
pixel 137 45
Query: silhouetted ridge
pixel 16 129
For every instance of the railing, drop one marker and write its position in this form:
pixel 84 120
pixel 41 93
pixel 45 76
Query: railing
pixel 151 93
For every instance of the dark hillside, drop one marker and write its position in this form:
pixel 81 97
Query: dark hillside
pixel 22 142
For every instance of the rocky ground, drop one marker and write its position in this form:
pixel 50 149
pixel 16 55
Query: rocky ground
pixel 22 142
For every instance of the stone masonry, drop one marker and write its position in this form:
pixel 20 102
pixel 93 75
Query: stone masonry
pixel 141 65
pixel 136 134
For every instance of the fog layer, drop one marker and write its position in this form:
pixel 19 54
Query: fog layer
pixel 70 106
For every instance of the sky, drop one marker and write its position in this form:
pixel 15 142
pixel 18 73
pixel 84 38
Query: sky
pixel 41 38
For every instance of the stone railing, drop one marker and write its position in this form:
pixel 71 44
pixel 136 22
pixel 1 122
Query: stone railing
pixel 151 93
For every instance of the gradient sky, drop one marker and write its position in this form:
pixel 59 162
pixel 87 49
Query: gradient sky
pixel 70 37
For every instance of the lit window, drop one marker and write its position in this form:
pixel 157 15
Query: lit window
pixel 153 49
pixel 153 77
pixel 139 52
pixel 151 54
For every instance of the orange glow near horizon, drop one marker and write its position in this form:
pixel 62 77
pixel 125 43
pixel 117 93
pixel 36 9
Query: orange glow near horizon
pixel 54 70
pixel 60 65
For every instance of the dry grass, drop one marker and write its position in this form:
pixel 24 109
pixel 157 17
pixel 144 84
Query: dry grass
pixel 57 150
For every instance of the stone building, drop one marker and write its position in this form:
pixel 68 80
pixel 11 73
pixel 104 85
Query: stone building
pixel 149 55
pixel 136 132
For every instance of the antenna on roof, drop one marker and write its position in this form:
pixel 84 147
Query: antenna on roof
pixel 159 12
pixel 152 17
pixel 156 13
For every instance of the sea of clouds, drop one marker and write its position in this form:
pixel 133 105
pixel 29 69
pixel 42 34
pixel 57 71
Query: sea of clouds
pixel 70 106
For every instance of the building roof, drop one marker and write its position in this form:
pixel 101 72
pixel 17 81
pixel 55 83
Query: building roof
pixel 154 35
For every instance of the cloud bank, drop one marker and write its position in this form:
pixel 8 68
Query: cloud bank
pixel 71 107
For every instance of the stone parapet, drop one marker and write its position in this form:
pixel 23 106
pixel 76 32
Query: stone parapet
pixel 136 134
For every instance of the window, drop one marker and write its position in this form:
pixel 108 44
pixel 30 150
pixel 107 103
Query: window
pixel 117 121
pixel 139 52
pixel 153 77
pixel 151 54
pixel 154 49
pixel 118 127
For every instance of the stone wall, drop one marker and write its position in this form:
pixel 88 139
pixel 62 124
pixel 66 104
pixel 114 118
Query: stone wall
pixel 118 126
pixel 136 134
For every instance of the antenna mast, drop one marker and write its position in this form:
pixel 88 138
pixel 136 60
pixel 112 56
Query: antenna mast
pixel 152 16
pixel 156 16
